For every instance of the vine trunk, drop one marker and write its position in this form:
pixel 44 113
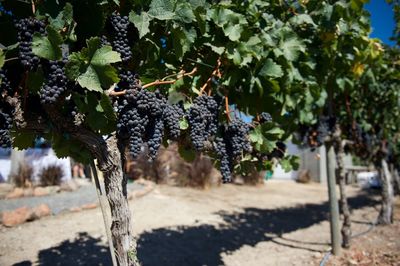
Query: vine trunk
pixel 343 203
pixel 386 213
pixel 116 191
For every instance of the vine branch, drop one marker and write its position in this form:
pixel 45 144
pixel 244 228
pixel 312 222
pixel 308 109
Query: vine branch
pixel 216 72
pixel 227 111
pixel 179 76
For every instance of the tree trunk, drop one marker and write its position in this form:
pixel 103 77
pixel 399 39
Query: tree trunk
pixel 386 213
pixel 116 190
pixel 344 206
pixel 333 202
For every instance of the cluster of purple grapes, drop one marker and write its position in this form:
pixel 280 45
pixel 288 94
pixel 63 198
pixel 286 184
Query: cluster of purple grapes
pixel 141 118
pixel 56 83
pixel 233 143
pixel 315 135
pixel 26 27
pixel 203 120
pixel 172 116
pixel 120 41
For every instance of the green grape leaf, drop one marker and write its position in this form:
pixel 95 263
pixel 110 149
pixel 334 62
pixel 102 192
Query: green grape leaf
pixel 216 49
pixel 271 69
pixel 291 46
pixel 65 17
pixel 92 68
pixel 183 40
pixel 290 162
pixel 141 22
pixel 197 3
pixel 233 32
pixel 161 9
pixel 48 47
pixel 184 13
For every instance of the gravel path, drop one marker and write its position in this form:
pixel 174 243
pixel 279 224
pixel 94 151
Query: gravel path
pixel 61 201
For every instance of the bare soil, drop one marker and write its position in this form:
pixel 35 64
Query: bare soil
pixel 279 223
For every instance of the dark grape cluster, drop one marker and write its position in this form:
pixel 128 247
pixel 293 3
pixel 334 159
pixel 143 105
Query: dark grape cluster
pixel 6 121
pixel 120 36
pixel 315 135
pixel 203 120
pixel 225 160
pixel 154 135
pixel 237 137
pixel 127 80
pixel 172 116
pixel 56 83
pixel 26 27
pixel 140 118
pixel 265 117
pixel 233 143
pixel 5 86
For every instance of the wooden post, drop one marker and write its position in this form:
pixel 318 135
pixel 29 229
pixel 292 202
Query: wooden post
pixel 333 203
pixel 386 213
pixel 102 201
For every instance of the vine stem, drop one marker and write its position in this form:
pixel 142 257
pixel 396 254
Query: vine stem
pixel 33 6
pixel 10 59
pixel 158 82
pixel 216 72
pixel 179 75
pixel 227 111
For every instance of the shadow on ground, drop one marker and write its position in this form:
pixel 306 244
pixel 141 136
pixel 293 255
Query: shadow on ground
pixel 202 244
pixel 83 250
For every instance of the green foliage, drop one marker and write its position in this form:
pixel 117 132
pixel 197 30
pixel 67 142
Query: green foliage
pixel 91 67
pixel 288 58
pixel 48 47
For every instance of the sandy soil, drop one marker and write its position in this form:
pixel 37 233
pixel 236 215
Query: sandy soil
pixel 281 223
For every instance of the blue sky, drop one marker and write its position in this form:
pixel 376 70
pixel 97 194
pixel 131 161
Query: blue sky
pixel 381 19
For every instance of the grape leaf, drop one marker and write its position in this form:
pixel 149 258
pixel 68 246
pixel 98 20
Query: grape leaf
pixel 92 68
pixel 48 47
pixel 161 9
pixel 141 22
pixel 271 69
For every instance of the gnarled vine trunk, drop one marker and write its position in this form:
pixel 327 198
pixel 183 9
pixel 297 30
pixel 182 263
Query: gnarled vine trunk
pixel 109 162
pixel 116 191
pixel 343 203
pixel 386 213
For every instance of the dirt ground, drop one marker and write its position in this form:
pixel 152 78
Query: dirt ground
pixel 280 223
